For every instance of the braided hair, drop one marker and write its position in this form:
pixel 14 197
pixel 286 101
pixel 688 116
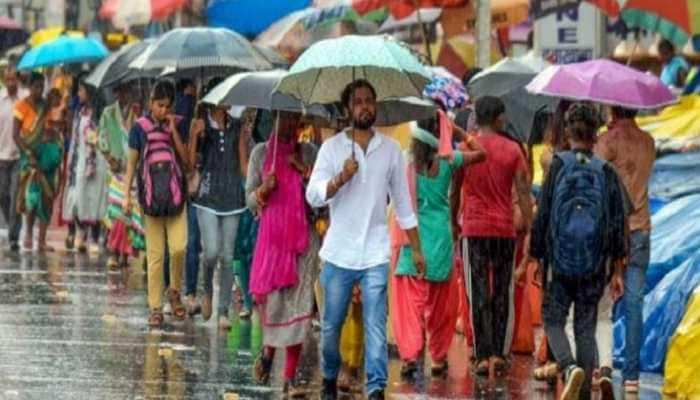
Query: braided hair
pixel 583 121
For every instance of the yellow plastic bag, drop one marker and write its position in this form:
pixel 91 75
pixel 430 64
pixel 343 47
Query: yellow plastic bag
pixel 682 367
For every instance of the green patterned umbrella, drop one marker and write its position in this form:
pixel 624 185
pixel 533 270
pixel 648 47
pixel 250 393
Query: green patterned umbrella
pixel 323 71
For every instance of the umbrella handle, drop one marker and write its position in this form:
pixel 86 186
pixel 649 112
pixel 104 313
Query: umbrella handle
pixel 274 143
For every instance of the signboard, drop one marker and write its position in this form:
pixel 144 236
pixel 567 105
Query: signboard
pixel 570 35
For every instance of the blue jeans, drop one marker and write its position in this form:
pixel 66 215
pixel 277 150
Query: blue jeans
pixel 194 248
pixel 337 286
pixel 218 239
pixel 633 301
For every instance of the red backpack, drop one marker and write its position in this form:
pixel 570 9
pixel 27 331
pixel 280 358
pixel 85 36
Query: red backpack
pixel 160 178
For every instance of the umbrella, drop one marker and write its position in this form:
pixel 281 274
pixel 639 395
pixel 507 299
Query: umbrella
pixel 250 17
pixel 507 80
pixel 201 51
pixel 64 50
pixel 603 81
pixel 46 35
pixel 403 8
pixel 677 22
pixel 323 71
pixel 115 68
pixel 257 90
pixel 11 33
pixel 126 13
pixel 298 30
pixel 446 89
pixel 427 16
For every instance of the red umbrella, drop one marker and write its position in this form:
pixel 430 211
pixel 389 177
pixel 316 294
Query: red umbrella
pixel 160 9
pixel 403 8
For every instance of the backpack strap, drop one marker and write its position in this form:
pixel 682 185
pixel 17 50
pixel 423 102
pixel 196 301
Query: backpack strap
pixel 145 124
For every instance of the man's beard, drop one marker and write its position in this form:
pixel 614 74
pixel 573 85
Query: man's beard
pixel 365 121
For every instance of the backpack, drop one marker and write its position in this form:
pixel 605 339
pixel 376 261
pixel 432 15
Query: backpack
pixel 160 178
pixel 578 215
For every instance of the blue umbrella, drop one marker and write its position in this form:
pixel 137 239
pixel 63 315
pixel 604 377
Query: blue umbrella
pixel 251 17
pixel 64 50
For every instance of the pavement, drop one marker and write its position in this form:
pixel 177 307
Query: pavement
pixel 71 330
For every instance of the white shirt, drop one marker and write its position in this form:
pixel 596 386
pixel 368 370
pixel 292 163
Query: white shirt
pixel 358 236
pixel 8 148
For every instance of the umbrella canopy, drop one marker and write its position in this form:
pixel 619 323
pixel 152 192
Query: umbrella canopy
pixel 327 67
pixel 250 17
pixel 199 50
pixel 64 50
pixel 46 35
pixel 446 89
pixel 403 8
pixel 507 80
pixel 9 23
pixel 677 22
pixel 115 68
pixel 300 29
pixel 603 81
pixel 126 13
pixel 427 16
pixel 257 90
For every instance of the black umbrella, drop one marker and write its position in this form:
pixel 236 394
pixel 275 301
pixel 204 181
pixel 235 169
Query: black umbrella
pixel 115 68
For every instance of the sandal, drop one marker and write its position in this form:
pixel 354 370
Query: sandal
pixel 70 242
pixel 177 308
pixel 112 264
pixel 439 370
pixel 261 369
pixel 155 320
pixel 408 370
pixel 45 248
pixel 482 368
pixel 547 372
pixel 501 365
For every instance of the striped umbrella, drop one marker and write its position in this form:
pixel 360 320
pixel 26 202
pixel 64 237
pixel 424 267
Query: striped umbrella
pixel 676 22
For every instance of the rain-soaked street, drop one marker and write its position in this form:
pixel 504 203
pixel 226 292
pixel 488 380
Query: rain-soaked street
pixel 70 330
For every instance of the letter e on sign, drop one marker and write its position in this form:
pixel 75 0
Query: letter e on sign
pixel 567 35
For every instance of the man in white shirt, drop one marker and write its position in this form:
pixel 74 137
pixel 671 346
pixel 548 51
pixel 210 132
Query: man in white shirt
pixel 9 156
pixel 356 172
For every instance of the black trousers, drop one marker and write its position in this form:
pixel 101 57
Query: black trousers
pixel 488 274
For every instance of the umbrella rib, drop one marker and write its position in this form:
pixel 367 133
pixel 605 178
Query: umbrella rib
pixel 313 88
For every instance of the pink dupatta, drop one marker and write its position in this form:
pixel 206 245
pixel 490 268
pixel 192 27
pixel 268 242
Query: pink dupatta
pixel 283 234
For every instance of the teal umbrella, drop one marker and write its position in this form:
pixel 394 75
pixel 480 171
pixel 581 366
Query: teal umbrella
pixel 64 50
pixel 323 71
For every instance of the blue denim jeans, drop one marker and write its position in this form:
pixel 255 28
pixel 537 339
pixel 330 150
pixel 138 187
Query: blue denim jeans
pixel 218 240
pixel 337 286
pixel 633 301
pixel 194 249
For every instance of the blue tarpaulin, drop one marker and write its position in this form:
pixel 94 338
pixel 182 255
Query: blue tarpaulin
pixel 675 237
pixel 664 308
pixel 675 176
pixel 250 17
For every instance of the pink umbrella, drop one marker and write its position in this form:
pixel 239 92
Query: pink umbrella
pixel 136 12
pixel 9 23
pixel 602 81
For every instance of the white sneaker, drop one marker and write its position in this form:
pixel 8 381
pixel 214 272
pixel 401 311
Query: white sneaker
pixel 573 380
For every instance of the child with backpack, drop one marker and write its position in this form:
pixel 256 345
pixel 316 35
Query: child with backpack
pixel 158 157
pixel 579 230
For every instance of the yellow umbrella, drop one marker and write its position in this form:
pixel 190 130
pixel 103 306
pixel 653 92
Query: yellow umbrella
pixel 679 121
pixel 49 34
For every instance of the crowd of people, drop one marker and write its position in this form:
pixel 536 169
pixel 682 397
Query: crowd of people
pixel 348 228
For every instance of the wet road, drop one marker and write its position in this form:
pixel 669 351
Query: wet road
pixel 70 330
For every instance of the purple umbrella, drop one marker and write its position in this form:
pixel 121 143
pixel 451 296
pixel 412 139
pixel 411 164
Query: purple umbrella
pixel 603 81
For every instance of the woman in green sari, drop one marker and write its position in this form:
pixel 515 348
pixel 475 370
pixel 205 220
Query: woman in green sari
pixel 125 237
pixel 38 136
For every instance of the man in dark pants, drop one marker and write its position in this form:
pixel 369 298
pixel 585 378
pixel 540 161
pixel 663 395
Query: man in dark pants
pixel 580 227
pixel 488 233
pixel 9 156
